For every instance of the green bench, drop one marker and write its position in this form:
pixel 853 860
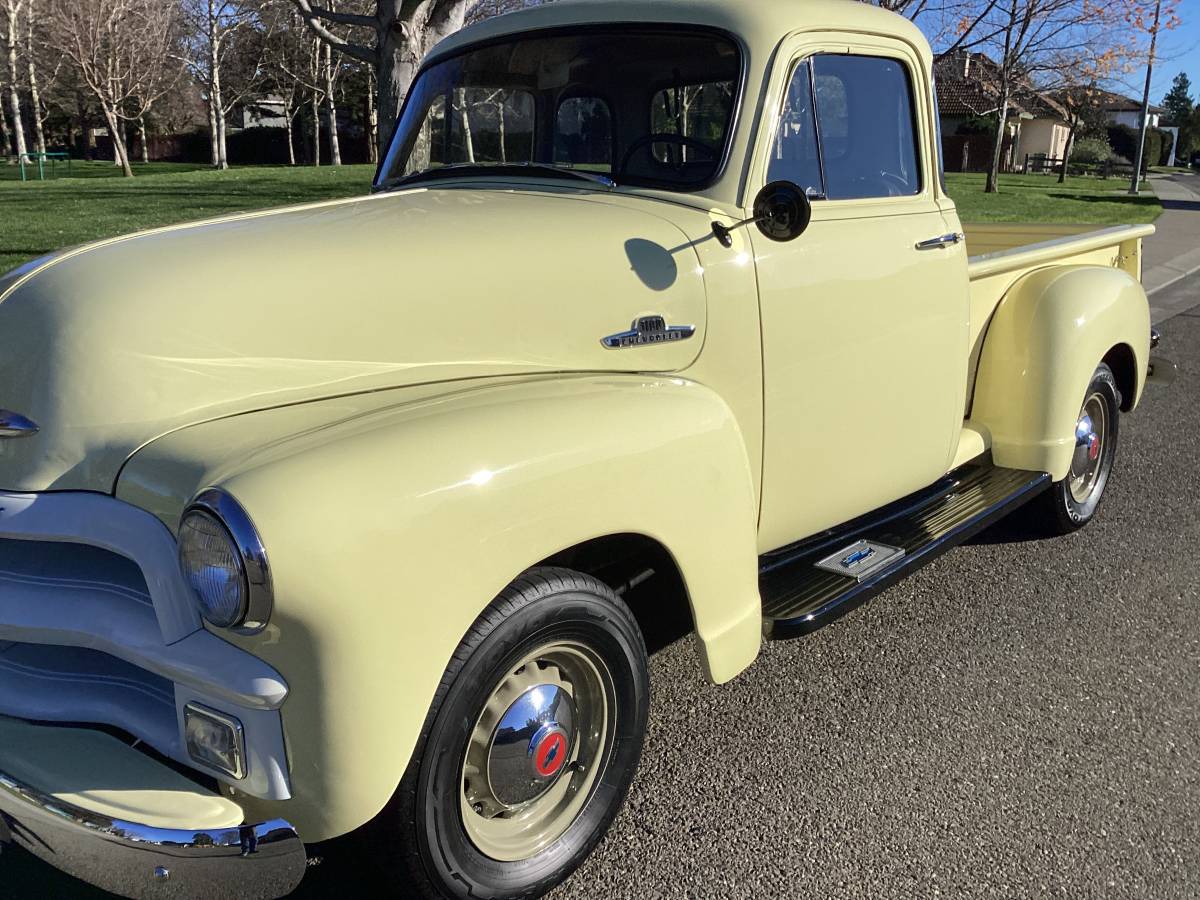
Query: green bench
pixel 42 158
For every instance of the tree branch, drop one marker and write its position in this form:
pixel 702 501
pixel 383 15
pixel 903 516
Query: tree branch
pixel 342 18
pixel 313 19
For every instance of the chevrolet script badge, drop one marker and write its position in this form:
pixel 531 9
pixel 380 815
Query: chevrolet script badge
pixel 648 330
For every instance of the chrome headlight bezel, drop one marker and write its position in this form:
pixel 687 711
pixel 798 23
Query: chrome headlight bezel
pixel 259 599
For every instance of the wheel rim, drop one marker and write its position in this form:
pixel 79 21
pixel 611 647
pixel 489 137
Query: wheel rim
pixel 1091 438
pixel 538 750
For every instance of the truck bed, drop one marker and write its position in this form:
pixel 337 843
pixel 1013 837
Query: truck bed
pixel 1001 254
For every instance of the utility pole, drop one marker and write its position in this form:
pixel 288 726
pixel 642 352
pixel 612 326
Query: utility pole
pixel 1137 165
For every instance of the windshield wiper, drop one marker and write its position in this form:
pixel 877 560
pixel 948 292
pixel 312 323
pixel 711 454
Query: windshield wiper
pixel 454 170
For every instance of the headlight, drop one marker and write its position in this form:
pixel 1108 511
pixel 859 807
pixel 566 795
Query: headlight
pixel 223 560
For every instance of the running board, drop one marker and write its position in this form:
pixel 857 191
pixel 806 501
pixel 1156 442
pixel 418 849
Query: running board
pixel 819 580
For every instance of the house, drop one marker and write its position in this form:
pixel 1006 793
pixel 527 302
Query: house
pixel 968 86
pixel 1122 110
pixel 261 112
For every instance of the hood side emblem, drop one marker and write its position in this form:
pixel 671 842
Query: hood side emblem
pixel 15 425
pixel 648 330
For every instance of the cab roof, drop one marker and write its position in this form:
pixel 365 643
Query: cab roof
pixel 761 24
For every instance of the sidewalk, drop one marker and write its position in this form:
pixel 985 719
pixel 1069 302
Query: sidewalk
pixel 1174 251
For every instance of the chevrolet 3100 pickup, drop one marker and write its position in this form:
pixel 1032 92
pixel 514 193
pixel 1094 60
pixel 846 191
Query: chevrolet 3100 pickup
pixel 654 305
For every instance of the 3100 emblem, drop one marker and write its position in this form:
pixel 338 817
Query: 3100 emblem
pixel 648 330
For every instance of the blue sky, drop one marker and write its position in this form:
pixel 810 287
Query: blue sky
pixel 1180 53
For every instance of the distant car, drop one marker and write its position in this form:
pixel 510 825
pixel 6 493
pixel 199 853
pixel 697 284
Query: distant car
pixel 1196 160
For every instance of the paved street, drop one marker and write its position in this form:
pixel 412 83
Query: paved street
pixel 1020 719
pixel 1173 253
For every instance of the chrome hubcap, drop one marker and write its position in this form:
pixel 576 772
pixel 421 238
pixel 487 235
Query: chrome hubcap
pixel 531 745
pixel 1090 433
pixel 537 751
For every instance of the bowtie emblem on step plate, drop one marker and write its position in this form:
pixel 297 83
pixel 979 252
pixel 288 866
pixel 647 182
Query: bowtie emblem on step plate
pixel 861 559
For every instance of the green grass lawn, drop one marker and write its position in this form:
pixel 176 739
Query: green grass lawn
pixel 38 217
pixel 1040 198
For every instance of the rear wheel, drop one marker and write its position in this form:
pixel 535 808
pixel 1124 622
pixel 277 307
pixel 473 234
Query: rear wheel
pixel 1072 503
pixel 530 747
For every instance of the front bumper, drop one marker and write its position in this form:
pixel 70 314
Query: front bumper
pixel 61 790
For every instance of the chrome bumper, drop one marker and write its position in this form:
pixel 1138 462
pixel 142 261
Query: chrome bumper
pixel 259 861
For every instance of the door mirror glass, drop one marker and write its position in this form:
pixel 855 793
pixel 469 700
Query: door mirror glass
pixel 782 211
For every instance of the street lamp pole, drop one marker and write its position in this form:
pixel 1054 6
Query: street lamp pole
pixel 1141 149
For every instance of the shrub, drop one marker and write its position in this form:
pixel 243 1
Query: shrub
pixel 1091 150
pixel 1124 140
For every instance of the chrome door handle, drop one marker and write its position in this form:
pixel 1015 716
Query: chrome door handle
pixel 945 240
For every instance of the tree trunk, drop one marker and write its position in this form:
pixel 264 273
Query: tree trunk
pixel 216 104
pixel 993 183
pixel 335 152
pixel 394 73
pixel 120 154
pixel 35 99
pixel 14 100
pixel 6 138
pixel 289 117
pixel 142 139
pixel 316 133
pixel 222 149
pixel 465 120
pixel 1067 148
pixel 372 121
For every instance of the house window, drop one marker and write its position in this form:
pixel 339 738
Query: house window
pixel 848 129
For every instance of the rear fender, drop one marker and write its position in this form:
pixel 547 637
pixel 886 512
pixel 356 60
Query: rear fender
pixel 1042 346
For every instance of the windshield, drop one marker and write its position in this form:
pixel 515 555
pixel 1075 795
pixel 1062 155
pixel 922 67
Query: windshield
pixel 642 106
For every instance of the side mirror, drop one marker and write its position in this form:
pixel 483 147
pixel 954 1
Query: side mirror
pixel 782 212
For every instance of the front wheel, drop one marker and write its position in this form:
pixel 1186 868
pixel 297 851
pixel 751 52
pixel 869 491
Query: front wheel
pixel 1072 503
pixel 531 745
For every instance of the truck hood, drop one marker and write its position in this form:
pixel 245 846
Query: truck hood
pixel 112 345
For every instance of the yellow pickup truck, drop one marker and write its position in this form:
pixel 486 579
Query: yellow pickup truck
pixel 355 515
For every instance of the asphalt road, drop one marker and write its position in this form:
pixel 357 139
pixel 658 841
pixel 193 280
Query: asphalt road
pixel 1019 719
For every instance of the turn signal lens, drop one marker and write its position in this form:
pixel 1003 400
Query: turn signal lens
pixel 212 565
pixel 214 740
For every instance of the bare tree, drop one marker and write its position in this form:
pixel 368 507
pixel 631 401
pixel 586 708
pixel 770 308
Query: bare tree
pixel 286 54
pixel 1030 37
pixel 36 108
pixel 12 19
pixel 329 76
pixel 228 41
pixel 402 31
pixel 123 50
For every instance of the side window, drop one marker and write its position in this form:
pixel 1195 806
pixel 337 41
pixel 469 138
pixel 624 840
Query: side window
pixel 795 156
pixel 866 125
pixel 700 112
pixel 583 134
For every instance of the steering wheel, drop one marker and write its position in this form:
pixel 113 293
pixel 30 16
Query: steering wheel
pixel 890 185
pixel 664 137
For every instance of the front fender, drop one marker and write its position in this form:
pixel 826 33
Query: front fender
pixel 1042 346
pixel 388 534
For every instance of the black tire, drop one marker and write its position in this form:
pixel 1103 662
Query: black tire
pixel 421 835
pixel 1058 511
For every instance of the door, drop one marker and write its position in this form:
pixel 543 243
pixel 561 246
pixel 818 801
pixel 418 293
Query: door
pixel 864 333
